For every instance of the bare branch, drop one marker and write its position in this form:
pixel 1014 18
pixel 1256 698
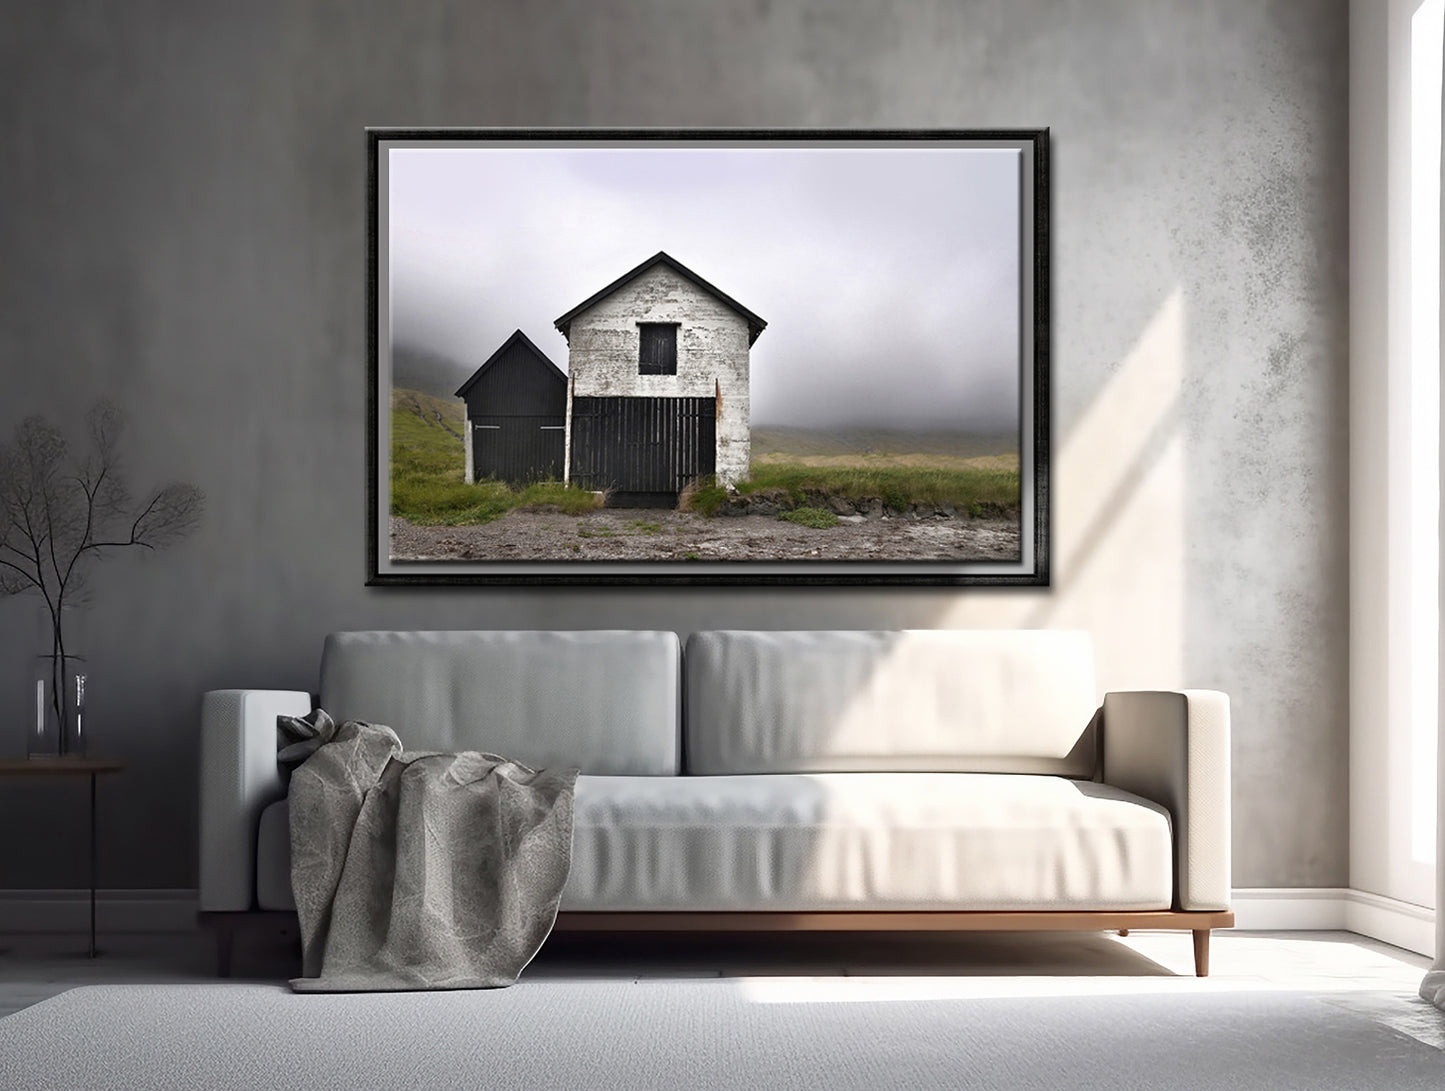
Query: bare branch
pixel 172 513
pixel 14 579
pixel 59 514
pixel 22 485
pixel 16 562
pixel 106 423
pixel 102 475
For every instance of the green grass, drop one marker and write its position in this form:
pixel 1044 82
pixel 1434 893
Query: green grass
pixel 816 518
pixel 895 485
pixel 704 499
pixel 787 443
pixel 427 469
pixel 970 488
pixel 980 490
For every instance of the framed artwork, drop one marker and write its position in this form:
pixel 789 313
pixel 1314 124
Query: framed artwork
pixel 718 356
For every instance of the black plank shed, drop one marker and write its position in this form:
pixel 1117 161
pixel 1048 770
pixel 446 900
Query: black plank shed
pixel 516 414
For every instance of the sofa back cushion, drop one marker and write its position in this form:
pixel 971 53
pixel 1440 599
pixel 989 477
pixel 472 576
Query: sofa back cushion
pixel 605 701
pixel 1017 701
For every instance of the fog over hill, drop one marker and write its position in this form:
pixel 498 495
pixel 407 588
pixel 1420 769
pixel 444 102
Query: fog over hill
pixel 416 368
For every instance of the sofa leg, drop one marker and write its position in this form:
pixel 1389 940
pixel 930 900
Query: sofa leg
pixel 1123 931
pixel 1201 952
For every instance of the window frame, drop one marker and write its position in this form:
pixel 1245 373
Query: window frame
pixel 643 367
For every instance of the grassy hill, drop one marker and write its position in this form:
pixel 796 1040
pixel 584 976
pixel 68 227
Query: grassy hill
pixel 425 419
pixel 427 455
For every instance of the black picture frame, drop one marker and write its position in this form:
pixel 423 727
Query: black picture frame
pixel 1031 568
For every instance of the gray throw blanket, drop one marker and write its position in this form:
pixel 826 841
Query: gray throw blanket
pixel 419 870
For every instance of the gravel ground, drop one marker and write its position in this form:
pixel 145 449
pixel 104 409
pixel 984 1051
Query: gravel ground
pixel 650 534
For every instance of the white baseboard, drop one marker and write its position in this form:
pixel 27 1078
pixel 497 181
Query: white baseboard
pixel 1336 909
pixel 115 910
pixel 1290 909
pixel 1392 921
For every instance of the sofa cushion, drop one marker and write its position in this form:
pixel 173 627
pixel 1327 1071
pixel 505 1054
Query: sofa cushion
pixel 835 841
pixel 605 701
pixel 1017 701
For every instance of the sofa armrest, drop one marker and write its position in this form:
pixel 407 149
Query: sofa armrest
pixel 1173 748
pixel 239 777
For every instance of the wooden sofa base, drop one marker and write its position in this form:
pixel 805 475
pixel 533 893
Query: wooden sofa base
pixel 1199 923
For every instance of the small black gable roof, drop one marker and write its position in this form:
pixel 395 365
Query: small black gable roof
pixel 526 342
pixel 755 324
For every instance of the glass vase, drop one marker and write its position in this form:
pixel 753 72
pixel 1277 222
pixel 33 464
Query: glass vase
pixel 57 727
pixel 56 716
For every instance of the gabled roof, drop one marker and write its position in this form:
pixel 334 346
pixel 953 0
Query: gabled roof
pixel 494 357
pixel 755 324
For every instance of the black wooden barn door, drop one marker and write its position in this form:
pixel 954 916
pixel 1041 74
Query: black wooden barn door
pixel 645 450
pixel 517 449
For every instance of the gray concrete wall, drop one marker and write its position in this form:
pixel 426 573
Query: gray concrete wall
pixel 183 229
pixel 712 355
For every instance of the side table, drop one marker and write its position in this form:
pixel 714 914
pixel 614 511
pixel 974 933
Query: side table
pixel 68 767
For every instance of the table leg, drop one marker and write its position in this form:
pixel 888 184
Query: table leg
pixel 92 865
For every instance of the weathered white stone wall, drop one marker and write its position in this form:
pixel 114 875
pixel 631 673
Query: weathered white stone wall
pixel 712 356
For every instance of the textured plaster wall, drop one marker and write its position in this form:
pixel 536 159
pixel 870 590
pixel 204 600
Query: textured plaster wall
pixel 182 229
pixel 712 356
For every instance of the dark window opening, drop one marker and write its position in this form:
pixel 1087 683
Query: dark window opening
pixel 658 355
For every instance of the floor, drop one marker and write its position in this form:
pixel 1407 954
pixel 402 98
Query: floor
pixel 1352 971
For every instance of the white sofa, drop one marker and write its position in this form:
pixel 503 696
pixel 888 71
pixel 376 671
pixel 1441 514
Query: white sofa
pixel 851 780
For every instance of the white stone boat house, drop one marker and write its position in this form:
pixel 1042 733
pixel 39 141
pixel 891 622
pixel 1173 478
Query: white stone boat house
pixel 657 384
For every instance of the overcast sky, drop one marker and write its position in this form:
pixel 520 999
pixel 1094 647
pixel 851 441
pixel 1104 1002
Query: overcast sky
pixel 888 279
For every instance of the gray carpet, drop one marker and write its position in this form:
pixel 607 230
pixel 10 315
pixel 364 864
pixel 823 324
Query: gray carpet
pixel 718 1033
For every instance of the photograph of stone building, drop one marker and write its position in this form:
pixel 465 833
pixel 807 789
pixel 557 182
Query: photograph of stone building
pixel 562 403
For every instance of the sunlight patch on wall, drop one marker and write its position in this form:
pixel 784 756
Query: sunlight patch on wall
pixel 1117 523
